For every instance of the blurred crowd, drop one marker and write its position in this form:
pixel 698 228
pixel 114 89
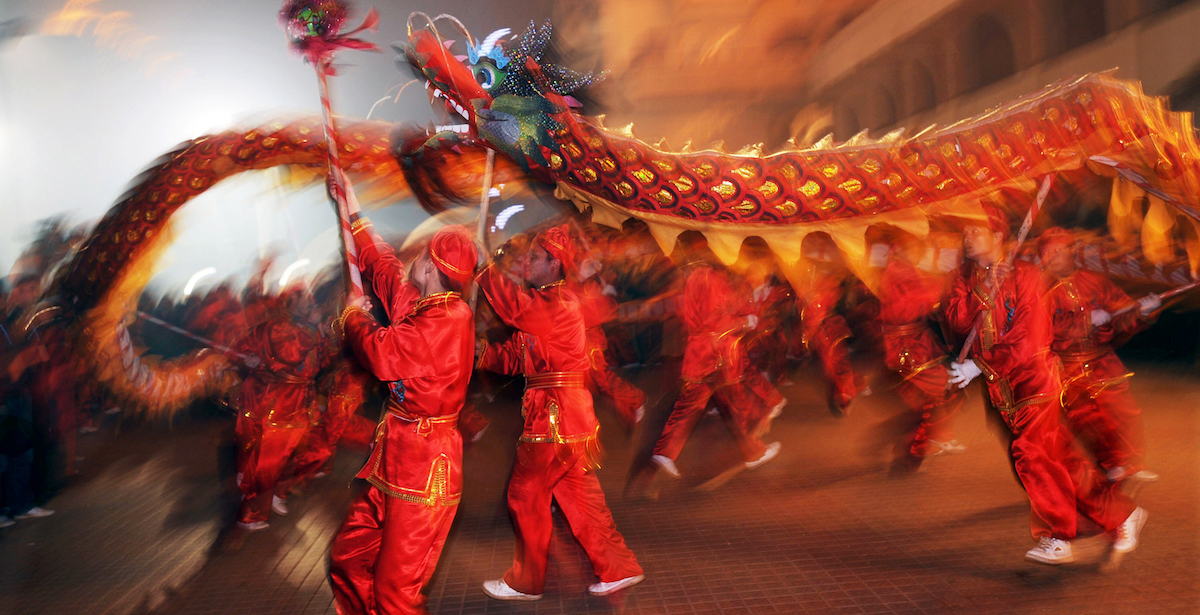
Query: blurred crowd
pixel 738 332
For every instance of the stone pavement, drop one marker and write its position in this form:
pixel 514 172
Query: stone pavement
pixel 821 529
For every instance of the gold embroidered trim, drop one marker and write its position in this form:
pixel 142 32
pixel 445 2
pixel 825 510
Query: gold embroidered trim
pixel 982 294
pixel 359 224
pixel 338 326
pixel 441 261
pixel 436 491
pixel 435 299
pixel 555 380
pixel 913 372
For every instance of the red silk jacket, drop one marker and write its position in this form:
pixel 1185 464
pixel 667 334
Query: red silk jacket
pixel 1013 347
pixel 282 389
pixel 714 327
pixel 1086 350
pixel 551 343
pixel 908 298
pixel 428 347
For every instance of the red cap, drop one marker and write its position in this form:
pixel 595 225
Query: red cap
pixel 453 253
pixel 557 241
pixel 1055 235
pixel 997 220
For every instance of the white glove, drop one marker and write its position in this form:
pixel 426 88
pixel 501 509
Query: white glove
pixel 963 373
pixel 752 321
pixel 1100 318
pixel 1149 303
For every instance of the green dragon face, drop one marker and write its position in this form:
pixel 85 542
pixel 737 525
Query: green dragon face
pixel 509 99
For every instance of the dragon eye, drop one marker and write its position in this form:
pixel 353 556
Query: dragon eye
pixel 487 76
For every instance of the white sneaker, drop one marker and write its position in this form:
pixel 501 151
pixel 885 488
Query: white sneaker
pixel 37 512
pixel 769 454
pixel 6 521
pixel 666 464
pixel 253 526
pixel 1130 530
pixel 951 447
pixel 1144 476
pixel 279 505
pixel 777 410
pixel 500 590
pixel 604 589
pixel 1052 551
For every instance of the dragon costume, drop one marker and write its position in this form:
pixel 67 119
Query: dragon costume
pixel 520 106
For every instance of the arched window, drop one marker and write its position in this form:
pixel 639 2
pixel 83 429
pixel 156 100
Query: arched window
pixel 885 109
pixel 924 90
pixel 990 50
pixel 1083 22
pixel 848 124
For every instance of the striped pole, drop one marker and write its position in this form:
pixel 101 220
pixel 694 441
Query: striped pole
pixel 338 187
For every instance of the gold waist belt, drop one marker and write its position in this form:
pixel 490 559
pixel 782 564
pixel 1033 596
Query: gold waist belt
pixel 555 380
pixel 909 329
pixel 425 424
pixel 1083 356
pixel 284 378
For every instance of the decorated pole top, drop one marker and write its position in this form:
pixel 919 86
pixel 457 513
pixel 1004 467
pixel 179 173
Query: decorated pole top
pixel 314 28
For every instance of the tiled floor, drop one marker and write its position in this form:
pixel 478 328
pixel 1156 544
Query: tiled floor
pixel 822 529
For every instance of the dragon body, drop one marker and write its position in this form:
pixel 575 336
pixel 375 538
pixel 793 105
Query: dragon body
pixel 518 105
pixel 522 108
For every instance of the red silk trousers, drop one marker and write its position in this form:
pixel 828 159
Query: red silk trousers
pixel 734 401
pixel 263 453
pixel 927 394
pixel 835 363
pixel 1110 423
pixel 1059 483
pixel 625 396
pixel 545 471
pixel 385 553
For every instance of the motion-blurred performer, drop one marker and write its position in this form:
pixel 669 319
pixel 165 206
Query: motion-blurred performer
pixel 1099 408
pixel 277 397
pixel 764 342
pixel 909 297
pixel 1012 352
pixel 344 390
pixel 556 453
pixel 714 365
pixel 393 534
pixel 824 331
pixel 599 306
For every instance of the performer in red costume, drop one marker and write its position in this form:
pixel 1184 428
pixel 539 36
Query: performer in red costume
pixel 393 534
pixel 1099 408
pixel 276 401
pixel 908 299
pixel 1012 352
pixel 600 307
pixel 714 365
pixel 555 456
pixel 823 330
pixel 345 391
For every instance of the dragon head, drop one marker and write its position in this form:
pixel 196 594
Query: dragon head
pixel 508 96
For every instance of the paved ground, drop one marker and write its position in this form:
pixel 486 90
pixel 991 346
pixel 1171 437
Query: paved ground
pixel 822 529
